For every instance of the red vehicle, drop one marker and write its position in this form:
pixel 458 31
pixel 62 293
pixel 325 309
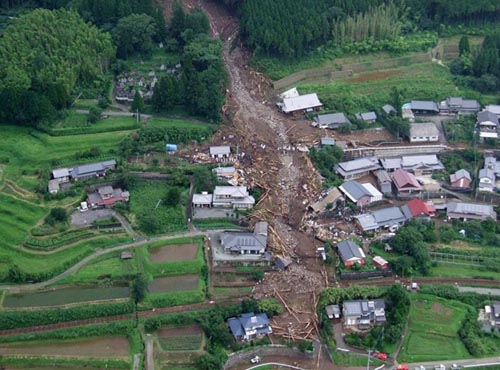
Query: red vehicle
pixel 380 355
pixel 402 367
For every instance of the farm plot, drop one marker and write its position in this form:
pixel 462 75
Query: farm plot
pixel 64 296
pixel 174 252
pixel 76 123
pixel 98 348
pixel 432 331
pixel 184 338
pixel 174 283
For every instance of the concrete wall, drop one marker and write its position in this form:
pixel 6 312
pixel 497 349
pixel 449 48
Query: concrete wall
pixel 273 349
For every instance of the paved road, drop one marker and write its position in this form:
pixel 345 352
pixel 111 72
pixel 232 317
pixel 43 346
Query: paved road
pixel 150 363
pixel 487 361
pixel 491 291
pixel 98 253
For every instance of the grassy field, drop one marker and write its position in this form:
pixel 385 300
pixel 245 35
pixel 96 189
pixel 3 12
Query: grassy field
pixel 178 123
pixel 353 359
pixel 365 91
pixel 462 271
pixel 76 123
pixel 432 331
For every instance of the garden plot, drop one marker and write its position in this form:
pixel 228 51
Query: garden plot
pixel 99 348
pixel 174 252
pixel 174 284
pixel 432 331
pixel 64 296
pixel 184 338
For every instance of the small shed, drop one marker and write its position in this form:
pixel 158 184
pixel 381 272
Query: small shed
pixel 333 311
pixel 126 255
pixel 171 147
pixel 282 263
pixel 380 262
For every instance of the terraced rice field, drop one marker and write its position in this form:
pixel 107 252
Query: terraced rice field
pixel 183 338
pixel 174 252
pixel 174 283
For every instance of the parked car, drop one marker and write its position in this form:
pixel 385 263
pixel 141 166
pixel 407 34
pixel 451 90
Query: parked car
pixel 440 367
pixel 455 367
pixel 255 360
pixel 402 367
pixel 380 355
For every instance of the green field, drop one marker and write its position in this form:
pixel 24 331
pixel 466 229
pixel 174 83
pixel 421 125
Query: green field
pixel 182 343
pixel 64 296
pixel 432 330
pixel 463 271
pixel 76 124
pixel 362 92
pixel 178 123
pixel 353 359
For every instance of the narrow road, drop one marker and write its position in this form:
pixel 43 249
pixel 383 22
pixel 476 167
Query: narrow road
pixel 472 362
pixel 150 363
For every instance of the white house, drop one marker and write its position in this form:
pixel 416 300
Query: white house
pixel 423 132
pixel 232 197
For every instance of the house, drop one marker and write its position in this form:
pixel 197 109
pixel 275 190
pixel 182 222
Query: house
pixel 301 104
pixel 291 93
pixel 387 218
pixel 363 314
pixel 423 132
pixel 495 314
pixel 405 182
pixel 380 262
pixel 460 105
pixel 126 255
pixel 460 179
pixel 61 175
pixel 421 164
pixel 282 263
pixel 350 253
pixel 495 109
pixel 232 197
pixel 332 196
pixel 244 242
pixel 203 200
pixel 360 194
pixel 249 326
pixel 220 152
pixel 327 141
pixel 470 211
pixel 53 186
pixel 424 107
pixel 333 311
pixel 107 196
pixel 92 170
pixel 332 121
pixel 486 180
pixel 357 167
pixel 419 209
pixel 384 181
pixel 388 109
pixel 487 124
pixel 369 117
pixel 224 173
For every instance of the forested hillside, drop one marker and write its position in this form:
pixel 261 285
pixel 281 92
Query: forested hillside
pixel 292 27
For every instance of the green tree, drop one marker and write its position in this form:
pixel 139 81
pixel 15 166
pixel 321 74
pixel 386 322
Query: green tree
pixel 271 307
pixel 165 94
pixel 173 197
pixel 57 214
pixel 138 103
pixel 139 288
pixel 178 21
pixel 134 34
pixel 94 114
pixel 464 46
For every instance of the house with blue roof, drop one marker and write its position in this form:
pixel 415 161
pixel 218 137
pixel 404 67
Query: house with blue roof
pixel 249 326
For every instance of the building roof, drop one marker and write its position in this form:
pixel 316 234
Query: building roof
pixel 391 163
pixel 387 108
pixel 105 190
pixel 220 150
pixel 249 322
pixel 327 141
pixel 282 262
pixel 415 161
pixel 332 310
pixel 87 169
pixel 423 130
pixel 379 260
pixel 493 109
pixel 53 186
pixel 260 228
pixel 403 179
pixel 291 93
pixel 202 198
pixel 389 216
pixel 383 176
pixel 301 102
pixel 367 116
pixel 365 308
pixel 487 116
pixel 459 175
pixel 461 103
pixel 60 172
pixel 233 191
pixel 238 241
pixel 332 119
pixel 424 105
pixel 359 165
pixel 224 171
pixel 420 208
pixel 471 209
pixel 367 221
pixel 354 190
pixel 348 249
pixel 372 190
pixel 486 173
pixel 332 195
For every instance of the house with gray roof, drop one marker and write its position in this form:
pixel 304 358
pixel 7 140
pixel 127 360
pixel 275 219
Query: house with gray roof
pixel 360 194
pixel 421 164
pixel 232 197
pixel 423 132
pixel 369 117
pixel 220 152
pixel 350 253
pixel 301 104
pixel 384 181
pixel 363 314
pixel 224 173
pixel 487 125
pixel 454 104
pixel 388 109
pixel 327 141
pixel 495 109
pixel 333 311
pixel 357 167
pixel 486 180
pixel 331 120
pixel 244 242
pixel 203 200
pixel 61 175
pixel 249 326
pixel 386 218
pixel 461 179
pixel 470 211
pixel 92 170
pixel 424 107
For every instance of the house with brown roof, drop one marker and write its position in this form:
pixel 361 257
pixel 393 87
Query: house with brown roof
pixel 107 196
pixel 405 182
pixel 460 179
pixel 421 209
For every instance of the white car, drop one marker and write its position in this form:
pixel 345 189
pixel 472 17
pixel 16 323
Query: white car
pixel 255 360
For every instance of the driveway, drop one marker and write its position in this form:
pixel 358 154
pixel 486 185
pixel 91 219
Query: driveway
pixel 338 330
pixel 85 219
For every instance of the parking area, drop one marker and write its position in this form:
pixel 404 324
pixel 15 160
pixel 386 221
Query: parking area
pixel 201 213
pixel 84 219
